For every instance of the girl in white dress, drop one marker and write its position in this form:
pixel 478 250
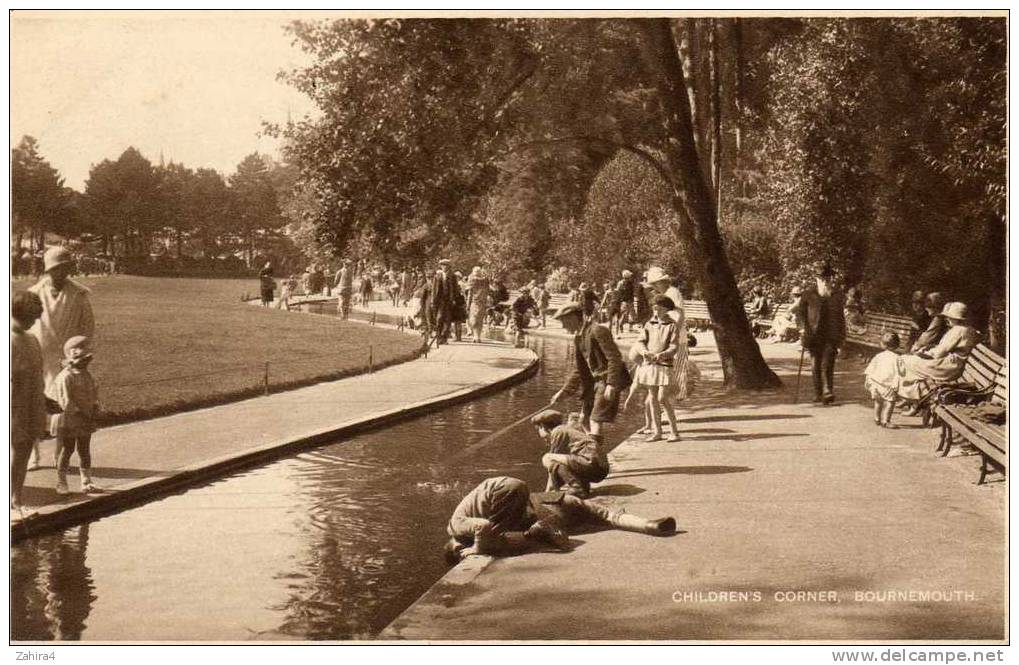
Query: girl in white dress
pixel 658 346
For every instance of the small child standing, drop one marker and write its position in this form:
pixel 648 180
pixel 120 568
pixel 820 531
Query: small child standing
pixel 882 380
pixel 658 346
pixel 75 391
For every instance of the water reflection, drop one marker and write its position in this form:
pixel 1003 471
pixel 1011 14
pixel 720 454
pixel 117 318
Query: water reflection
pixel 330 544
pixel 51 587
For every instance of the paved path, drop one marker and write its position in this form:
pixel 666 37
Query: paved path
pixel 774 499
pixel 139 461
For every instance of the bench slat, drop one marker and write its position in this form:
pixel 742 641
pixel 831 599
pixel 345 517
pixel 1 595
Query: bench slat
pixel 989 439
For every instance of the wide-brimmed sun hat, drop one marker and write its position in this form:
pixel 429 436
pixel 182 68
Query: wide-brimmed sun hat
pixel 56 256
pixel 444 262
pixel 656 274
pixel 955 310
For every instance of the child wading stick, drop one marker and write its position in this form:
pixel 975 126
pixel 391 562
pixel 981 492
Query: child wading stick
pixel 494 435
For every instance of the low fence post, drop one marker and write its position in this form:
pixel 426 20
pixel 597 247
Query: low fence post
pixel 265 379
pixel 371 359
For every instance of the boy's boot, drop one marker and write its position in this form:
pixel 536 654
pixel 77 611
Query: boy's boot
pixel 62 481
pixel 660 527
pixel 86 481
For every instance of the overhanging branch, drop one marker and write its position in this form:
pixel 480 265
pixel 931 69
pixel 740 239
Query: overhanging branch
pixel 643 154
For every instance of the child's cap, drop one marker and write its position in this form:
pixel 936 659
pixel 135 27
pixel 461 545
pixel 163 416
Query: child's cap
pixel 77 345
pixel 890 340
pixel 77 349
pixel 549 419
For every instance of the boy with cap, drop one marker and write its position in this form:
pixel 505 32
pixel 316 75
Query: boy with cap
pixel 599 369
pixel 574 459
pixel 502 517
pixel 75 390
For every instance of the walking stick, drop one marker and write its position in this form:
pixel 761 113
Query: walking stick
pixel 799 372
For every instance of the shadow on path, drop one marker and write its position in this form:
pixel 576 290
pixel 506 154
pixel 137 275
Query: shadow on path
pixel 680 470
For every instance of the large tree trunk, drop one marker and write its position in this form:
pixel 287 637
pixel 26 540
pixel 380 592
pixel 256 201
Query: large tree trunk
pixel 996 316
pixel 742 362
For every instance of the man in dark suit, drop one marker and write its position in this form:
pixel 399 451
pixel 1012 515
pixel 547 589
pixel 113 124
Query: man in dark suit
pixel 443 295
pixel 820 310
pixel 599 369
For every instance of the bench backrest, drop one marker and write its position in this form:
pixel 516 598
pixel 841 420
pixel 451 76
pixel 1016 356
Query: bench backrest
pixel 696 310
pixel 877 325
pixel 982 367
pixel 1001 386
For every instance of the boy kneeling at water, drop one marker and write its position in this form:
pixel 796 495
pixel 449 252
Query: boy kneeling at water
pixel 574 459
pixel 502 517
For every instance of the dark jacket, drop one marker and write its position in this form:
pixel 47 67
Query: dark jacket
pixel 443 294
pixel 808 311
pixel 930 337
pixel 597 359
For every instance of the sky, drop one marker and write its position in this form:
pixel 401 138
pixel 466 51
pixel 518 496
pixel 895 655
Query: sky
pixel 194 87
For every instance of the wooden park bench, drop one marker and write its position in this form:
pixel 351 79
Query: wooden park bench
pixel 877 324
pixel 764 327
pixel 984 379
pixel 697 316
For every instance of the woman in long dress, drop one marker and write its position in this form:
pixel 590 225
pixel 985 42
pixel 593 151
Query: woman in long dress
pixel 477 301
pixel 944 362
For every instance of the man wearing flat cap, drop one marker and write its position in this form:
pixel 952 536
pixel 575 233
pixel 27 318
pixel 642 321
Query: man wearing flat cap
pixel 599 369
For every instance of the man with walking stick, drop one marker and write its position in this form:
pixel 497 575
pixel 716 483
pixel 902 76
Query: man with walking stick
pixel 824 330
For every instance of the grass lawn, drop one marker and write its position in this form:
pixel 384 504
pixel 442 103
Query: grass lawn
pixel 165 345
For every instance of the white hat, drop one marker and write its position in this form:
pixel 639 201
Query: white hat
pixel 656 274
pixel 56 256
pixel 955 310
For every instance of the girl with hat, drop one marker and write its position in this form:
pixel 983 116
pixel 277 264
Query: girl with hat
pixel 658 346
pixel 945 361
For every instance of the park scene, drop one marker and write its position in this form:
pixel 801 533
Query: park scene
pixel 497 329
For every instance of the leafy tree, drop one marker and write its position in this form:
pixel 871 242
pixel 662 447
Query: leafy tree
pixel 208 203
pixel 417 114
pixel 886 154
pixel 176 216
pixel 255 213
pixel 39 201
pixel 124 204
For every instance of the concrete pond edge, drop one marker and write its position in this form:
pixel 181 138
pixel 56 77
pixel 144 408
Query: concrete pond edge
pixel 55 517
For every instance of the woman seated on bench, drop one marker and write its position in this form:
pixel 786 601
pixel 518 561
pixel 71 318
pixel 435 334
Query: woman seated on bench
pixel 785 328
pixel 944 362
